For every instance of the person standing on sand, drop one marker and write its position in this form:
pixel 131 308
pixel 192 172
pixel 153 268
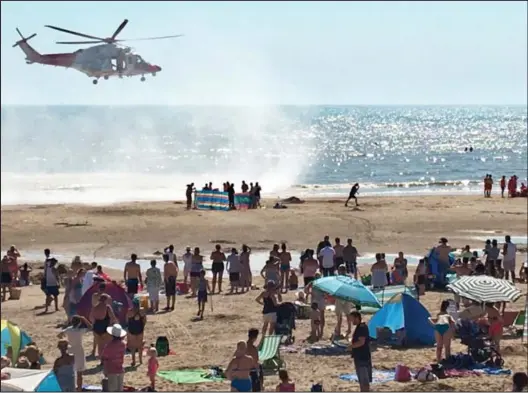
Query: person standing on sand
pixel 442 251
pixel 257 373
pixel 360 347
pixel 52 284
pixel 233 267
pixel 309 267
pixel 7 278
pixel 218 258
pixel 187 262
pixel 136 328
pixel 327 255
pixel 102 316
pixel 444 327
pixel 74 333
pixel 203 290
pixel 508 264
pixel 170 273
pixel 132 276
pixel 353 192
pixel 338 258
pixel 153 280
pixel 114 358
pixel 342 309
pixel 89 277
pixel 285 260
pixel 503 185
pixel 239 368
pixel 350 254
pixel 246 277
pixel 188 195
pixel 64 367
pixel 268 300
pixel 196 269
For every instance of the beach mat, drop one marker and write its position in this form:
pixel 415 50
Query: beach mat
pixel 189 376
pixel 378 376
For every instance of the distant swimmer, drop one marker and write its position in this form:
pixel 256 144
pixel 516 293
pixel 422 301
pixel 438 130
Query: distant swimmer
pixel 353 192
pixel 470 149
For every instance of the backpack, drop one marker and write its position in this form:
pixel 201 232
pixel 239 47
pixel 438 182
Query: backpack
pixel 402 374
pixel 162 346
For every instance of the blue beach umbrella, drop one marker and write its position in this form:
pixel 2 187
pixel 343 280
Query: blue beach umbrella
pixel 348 289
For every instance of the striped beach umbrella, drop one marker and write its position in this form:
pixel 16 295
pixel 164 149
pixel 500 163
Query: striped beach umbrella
pixel 485 289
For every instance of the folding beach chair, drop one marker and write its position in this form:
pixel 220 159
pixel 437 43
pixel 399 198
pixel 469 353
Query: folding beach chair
pixel 269 353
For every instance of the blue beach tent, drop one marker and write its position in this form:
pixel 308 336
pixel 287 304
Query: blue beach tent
pixel 27 380
pixel 403 311
pixel 437 269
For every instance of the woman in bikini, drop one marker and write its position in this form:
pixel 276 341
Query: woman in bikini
pixel 102 316
pixel 285 260
pixel 444 328
pixel 136 326
pixel 239 369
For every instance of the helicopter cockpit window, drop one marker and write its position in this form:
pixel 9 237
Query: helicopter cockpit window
pixel 139 59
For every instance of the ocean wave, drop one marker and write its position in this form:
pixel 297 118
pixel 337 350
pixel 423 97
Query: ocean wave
pixel 411 184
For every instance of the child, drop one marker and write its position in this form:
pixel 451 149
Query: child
pixel 285 385
pixel 203 289
pixel 153 366
pixel 293 281
pixel 315 316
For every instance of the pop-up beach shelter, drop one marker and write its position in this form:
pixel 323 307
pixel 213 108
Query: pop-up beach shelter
pixel 403 311
pixel 14 337
pixel 27 380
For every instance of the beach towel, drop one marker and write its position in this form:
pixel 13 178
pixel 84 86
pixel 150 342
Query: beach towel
pixel 189 376
pixel 326 350
pixel 493 371
pixel 378 376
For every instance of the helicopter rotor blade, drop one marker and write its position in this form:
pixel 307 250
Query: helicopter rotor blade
pixel 151 38
pixel 119 29
pixel 74 33
pixel 78 42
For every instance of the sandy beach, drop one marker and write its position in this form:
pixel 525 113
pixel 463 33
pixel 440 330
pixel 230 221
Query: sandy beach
pixel 381 224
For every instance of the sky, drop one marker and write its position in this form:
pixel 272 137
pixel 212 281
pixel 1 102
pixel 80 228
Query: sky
pixel 267 53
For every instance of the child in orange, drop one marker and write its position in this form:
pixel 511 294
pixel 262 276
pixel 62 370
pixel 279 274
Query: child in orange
pixel 152 367
pixel 285 385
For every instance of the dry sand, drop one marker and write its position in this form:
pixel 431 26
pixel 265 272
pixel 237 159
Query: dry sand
pixel 410 224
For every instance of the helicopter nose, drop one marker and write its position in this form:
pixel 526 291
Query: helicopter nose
pixel 157 68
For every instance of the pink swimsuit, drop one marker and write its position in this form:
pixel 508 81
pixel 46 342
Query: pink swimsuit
pixel 152 367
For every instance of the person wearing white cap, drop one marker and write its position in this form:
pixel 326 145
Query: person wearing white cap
pixel 113 358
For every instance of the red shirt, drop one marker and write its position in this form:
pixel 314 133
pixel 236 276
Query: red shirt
pixel 113 357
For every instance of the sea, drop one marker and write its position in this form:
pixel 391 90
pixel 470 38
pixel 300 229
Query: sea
pixel 110 154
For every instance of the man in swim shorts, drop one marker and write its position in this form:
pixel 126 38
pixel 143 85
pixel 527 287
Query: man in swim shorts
pixel 132 275
pixel 170 273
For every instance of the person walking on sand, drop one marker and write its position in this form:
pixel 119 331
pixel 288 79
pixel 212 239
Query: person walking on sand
pixel 203 290
pixel 353 192
pixel 239 368
pixel 132 276
pixel 218 258
pixel 508 263
pixel 170 273
pixel 187 263
pixel 114 358
pixel 153 280
pixel 268 300
pixel 196 269
pixel 285 260
pixel 136 327
pixel 360 347
pixel 444 327
pixel 246 277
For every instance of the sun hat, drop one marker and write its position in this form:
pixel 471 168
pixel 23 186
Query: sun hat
pixel 116 330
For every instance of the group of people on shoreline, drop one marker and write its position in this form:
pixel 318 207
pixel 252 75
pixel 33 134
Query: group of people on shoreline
pixel 510 186
pixel 254 191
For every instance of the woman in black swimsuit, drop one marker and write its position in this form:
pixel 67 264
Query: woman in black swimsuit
pixel 136 326
pixel 100 324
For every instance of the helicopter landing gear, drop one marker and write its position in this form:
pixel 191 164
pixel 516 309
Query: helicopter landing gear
pixel 142 79
pixel 106 77
pixel 95 81
pixel 153 74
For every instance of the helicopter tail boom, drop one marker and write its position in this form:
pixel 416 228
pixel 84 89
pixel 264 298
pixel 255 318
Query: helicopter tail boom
pixel 31 54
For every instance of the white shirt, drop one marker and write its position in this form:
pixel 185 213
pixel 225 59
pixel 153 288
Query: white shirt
pixel 88 280
pixel 172 257
pixel 327 254
pixel 187 261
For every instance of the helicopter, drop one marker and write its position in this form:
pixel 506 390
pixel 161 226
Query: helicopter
pixel 110 58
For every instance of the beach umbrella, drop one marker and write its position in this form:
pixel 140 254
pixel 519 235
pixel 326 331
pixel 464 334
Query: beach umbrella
pixel 485 289
pixel 348 289
pixel 27 380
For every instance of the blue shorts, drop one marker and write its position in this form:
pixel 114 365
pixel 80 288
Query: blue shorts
pixel 242 385
pixel 284 268
pixel 202 296
pixel 52 291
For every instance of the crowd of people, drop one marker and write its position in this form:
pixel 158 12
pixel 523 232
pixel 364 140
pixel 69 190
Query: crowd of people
pixel 253 190
pixel 509 187
pixel 112 338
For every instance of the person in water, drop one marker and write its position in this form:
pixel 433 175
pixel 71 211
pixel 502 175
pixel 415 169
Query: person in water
pixel 353 192
pixel 444 327
pixel 203 290
pixel 132 276
pixel 102 316
pixel 136 327
pixel 239 368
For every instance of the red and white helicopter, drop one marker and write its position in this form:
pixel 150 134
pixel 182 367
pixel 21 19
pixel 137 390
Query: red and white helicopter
pixel 100 61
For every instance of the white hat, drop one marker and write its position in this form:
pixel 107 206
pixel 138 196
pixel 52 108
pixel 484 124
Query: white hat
pixel 116 330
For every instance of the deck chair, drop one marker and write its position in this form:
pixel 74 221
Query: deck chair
pixel 509 318
pixel 269 353
pixel 520 319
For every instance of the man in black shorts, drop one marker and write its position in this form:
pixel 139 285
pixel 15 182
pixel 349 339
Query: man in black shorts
pixel 360 347
pixel 353 191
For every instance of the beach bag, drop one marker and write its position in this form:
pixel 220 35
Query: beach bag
pixel 318 387
pixel 162 346
pixel 402 373
pixel 424 375
pixel 438 370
